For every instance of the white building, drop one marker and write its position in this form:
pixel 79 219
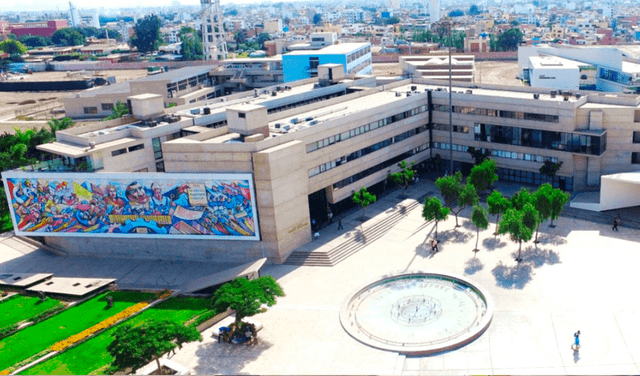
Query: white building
pixel 434 11
pixel 74 16
pixel 95 21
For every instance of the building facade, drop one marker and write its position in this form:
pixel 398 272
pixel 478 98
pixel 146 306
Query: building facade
pixel 354 57
pixel 308 146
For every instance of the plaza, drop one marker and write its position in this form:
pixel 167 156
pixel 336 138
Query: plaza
pixel 578 278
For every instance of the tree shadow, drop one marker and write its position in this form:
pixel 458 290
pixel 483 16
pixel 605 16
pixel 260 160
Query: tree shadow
pixel 359 237
pixel 226 358
pixel 551 239
pixel 455 236
pixel 512 277
pixel 468 225
pixel 472 266
pixel 493 243
pixel 538 256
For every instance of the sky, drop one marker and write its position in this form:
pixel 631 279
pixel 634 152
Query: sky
pixel 63 5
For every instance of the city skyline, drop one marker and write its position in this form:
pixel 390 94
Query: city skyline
pixel 63 5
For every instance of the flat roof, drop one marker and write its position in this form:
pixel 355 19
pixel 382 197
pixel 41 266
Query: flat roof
pixel 554 62
pixel 71 286
pixel 178 74
pixel 22 279
pixel 334 49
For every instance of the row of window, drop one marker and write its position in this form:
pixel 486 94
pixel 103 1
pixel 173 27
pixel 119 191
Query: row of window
pixel 357 54
pixel 190 82
pixel 124 150
pixel 368 150
pixel 364 129
pixel 372 170
pixel 445 127
pixel 498 153
pixel 498 113
pixel 359 67
pixel 304 103
pixel 571 142
pixel 530 177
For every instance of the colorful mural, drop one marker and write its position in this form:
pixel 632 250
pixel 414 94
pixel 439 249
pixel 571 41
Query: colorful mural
pixel 163 205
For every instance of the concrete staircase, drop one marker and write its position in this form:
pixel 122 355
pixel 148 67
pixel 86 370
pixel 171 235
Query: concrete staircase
pixel 349 247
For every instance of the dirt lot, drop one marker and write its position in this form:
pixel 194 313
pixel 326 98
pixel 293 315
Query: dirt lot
pixel 11 101
pixel 387 70
pixel 488 72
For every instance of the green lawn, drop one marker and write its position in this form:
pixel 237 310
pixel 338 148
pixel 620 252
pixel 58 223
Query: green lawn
pixel 92 355
pixel 19 308
pixel 34 339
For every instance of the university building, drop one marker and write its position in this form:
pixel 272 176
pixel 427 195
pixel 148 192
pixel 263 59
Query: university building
pixel 259 166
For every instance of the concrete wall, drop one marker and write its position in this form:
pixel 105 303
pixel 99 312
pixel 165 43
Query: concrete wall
pixel 565 79
pixel 616 194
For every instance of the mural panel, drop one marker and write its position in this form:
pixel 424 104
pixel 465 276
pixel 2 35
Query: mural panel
pixel 199 206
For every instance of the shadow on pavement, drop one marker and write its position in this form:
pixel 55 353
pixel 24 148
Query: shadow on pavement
pixel 227 359
pixel 455 236
pixel 538 256
pixel 512 277
pixel 493 243
pixel 472 266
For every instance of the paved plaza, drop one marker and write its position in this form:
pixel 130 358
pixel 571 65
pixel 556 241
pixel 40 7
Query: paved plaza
pixel 580 277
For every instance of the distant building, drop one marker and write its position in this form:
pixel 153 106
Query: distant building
pixel 477 44
pixel 273 26
pixel 437 67
pixel 74 16
pixel 355 57
pixel 434 11
pixel 43 29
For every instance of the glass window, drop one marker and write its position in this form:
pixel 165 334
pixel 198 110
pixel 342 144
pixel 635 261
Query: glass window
pixel 90 110
pixel 160 166
pixel 136 147
pixel 118 152
pixel 157 148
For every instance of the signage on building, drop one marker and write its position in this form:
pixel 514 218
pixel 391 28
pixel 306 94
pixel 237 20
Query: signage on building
pixel 196 206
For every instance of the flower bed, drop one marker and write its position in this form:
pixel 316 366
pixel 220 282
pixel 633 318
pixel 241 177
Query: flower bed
pixel 41 336
pixel 92 357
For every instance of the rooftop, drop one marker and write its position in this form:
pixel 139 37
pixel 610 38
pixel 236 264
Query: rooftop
pixel 335 49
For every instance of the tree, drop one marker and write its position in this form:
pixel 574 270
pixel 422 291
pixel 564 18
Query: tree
pixel 67 37
pixel 482 176
pixel 118 111
pixel 498 204
pixel 450 187
pixel 467 197
pixel 34 41
pixel 478 155
pixel 113 34
pixel 247 297
pixel 13 47
pixel 558 200
pixel 147 32
pixel 473 10
pixel 519 224
pixel 317 19
pixel 364 199
pixel 404 176
pixel 191 44
pixel 135 346
pixel 480 219
pixel 509 40
pixel 542 203
pixel 60 124
pixel 521 198
pixel 239 37
pixel 434 211
pixel 263 38
pixel 391 21
pixel 550 169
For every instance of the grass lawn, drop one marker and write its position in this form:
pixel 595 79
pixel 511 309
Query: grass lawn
pixel 34 339
pixel 92 356
pixel 19 308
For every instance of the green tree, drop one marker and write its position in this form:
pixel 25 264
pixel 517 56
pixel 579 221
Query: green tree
pixel 482 176
pixel 519 224
pixel 191 44
pixel 498 205
pixel 549 169
pixel 239 38
pixel 363 198
pixel 113 34
pixel 118 111
pixel 135 346
pixel 404 176
pixel 60 124
pixel 13 47
pixel 434 211
pixel 558 200
pixel 478 155
pixel 391 21
pixel 317 19
pixel 521 198
pixel 247 297
pixel 263 38
pixel 467 197
pixel 34 41
pixel 509 40
pixel 147 30
pixel 450 187
pixel 493 43
pixel 542 203
pixel 479 219
pixel 67 37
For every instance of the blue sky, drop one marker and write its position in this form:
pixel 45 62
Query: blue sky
pixel 27 5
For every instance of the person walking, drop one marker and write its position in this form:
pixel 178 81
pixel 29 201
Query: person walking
pixel 434 246
pixel 616 222
pixel 340 224
pixel 576 342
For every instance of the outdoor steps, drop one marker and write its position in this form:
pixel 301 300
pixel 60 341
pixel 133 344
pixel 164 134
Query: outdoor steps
pixel 599 217
pixel 352 245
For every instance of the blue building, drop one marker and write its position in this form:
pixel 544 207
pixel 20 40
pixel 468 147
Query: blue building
pixel 355 57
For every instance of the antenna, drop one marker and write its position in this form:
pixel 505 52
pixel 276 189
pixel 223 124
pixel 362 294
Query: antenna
pixel 214 39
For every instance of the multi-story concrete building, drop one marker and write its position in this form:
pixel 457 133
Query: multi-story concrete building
pixel 300 153
pixel 355 58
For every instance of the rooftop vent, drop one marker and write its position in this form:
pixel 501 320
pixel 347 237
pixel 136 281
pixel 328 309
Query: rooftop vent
pixel 274 93
pixel 469 92
pixel 578 95
pixel 414 88
pixel 277 125
pixel 553 93
pixel 536 96
pixel 398 94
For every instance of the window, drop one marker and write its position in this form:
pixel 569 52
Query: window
pixel 136 147
pixel 242 115
pixel 118 152
pixel 314 62
pixel 160 166
pixel 91 110
pixel 636 137
pixel 107 106
pixel 635 158
pixel 157 148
